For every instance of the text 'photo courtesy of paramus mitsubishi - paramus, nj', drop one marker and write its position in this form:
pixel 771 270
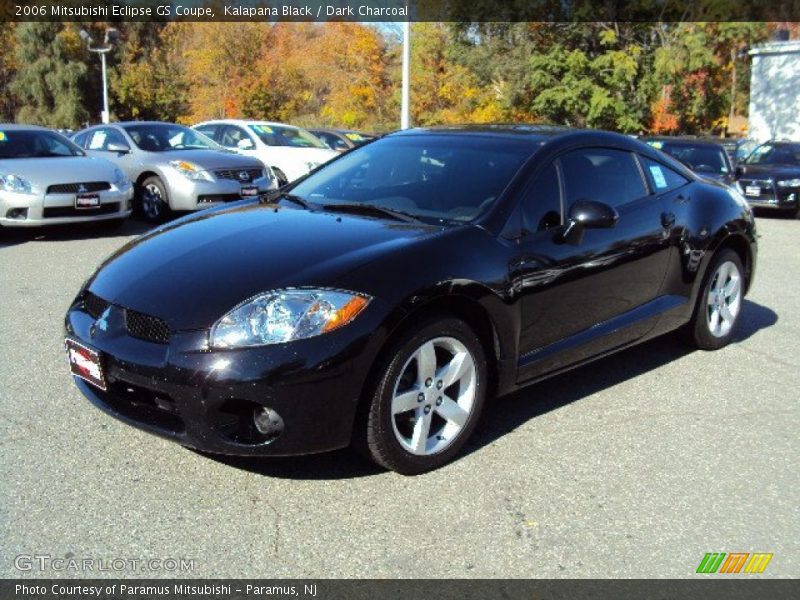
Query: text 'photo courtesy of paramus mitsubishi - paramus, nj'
pixel 383 298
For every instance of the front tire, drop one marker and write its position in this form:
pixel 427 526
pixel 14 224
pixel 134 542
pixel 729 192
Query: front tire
pixel 427 400
pixel 719 304
pixel 153 200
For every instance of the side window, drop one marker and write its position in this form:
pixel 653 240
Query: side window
pixel 333 142
pixel 114 137
pixel 541 205
pixel 663 179
pixel 231 136
pixel 99 139
pixel 603 175
pixel 208 130
pixel 80 139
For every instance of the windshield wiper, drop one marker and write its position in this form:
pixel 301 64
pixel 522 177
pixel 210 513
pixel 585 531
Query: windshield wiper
pixel 278 195
pixel 372 209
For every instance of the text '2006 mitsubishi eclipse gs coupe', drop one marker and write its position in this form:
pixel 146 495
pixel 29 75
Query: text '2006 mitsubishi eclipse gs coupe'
pixel 382 299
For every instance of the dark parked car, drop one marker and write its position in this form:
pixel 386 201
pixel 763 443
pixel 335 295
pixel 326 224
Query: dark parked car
pixel 738 149
pixel 342 140
pixel 770 177
pixel 705 157
pixel 381 300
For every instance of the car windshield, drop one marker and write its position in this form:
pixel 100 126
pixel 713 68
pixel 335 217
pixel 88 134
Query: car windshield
pixel 775 154
pixel 701 158
pixel 427 176
pixel 35 143
pixel 164 137
pixel 282 135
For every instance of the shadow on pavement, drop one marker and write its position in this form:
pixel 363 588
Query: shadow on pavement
pixel 504 415
pixel 78 231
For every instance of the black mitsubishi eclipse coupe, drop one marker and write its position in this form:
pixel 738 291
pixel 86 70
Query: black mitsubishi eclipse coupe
pixel 383 298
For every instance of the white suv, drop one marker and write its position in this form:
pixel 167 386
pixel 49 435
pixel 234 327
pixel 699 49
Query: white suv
pixel 289 151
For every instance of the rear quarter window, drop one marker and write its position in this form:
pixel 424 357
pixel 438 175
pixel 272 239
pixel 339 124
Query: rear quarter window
pixel 662 178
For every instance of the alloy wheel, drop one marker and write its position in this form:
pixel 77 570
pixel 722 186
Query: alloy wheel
pixel 724 299
pixel 152 201
pixel 434 396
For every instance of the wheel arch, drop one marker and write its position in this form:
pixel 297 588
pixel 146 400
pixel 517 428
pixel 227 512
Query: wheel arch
pixel 739 243
pixel 463 306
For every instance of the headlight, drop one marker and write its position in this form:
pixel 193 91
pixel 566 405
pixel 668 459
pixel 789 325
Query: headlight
pixel 286 315
pixel 191 170
pixel 120 180
pixel 312 165
pixel 789 183
pixel 14 183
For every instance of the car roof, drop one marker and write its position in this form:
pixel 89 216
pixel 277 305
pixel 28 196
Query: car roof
pixel 682 140
pixel 536 135
pixel 244 122
pixel 780 143
pixel 23 127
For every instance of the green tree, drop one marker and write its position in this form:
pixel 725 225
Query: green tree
pixel 145 79
pixel 8 68
pixel 51 81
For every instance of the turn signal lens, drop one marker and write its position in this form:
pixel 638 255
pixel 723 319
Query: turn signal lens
pixel 345 314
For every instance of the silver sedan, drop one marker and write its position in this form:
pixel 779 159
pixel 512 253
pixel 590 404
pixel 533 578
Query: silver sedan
pixel 47 180
pixel 174 167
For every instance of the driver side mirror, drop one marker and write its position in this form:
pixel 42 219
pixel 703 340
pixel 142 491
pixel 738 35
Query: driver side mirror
pixel 118 148
pixel 245 144
pixel 588 214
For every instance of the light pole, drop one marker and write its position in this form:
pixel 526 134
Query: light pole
pixel 404 105
pixel 111 36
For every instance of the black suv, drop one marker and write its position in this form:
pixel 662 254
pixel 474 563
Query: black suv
pixel 770 177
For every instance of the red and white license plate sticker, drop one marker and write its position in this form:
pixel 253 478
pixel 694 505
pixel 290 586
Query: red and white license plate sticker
pixel 85 363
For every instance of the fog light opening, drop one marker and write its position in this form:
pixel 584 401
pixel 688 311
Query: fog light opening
pixel 267 421
pixel 245 422
pixel 19 214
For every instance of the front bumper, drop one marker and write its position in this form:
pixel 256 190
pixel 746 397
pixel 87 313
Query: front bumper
pixel 205 398
pixel 188 194
pixel 771 195
pixel 29 210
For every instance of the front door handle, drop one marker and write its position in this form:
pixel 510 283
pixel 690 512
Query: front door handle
pixel 667 220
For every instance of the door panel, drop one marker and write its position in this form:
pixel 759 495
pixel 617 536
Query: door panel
pixel 566 290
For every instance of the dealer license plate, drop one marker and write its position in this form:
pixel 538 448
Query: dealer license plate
pixel 84 201
pixel 85 363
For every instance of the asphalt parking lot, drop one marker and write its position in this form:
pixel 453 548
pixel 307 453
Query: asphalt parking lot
pixel 635 466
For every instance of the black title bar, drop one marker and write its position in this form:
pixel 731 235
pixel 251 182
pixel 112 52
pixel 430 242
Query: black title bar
pixel 401 10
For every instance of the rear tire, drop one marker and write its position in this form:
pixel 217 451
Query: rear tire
pixel 426 397
pixel 719 303
pixel 153 200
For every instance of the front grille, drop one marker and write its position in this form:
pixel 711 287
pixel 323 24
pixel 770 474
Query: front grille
pixel 236 174
pixel 94 305
pixel 54 212
pixel 78 188
pixel 145 327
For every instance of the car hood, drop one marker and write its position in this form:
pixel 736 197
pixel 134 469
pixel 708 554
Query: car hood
pixel 193 271
pixel 765 171
pixel 43 172
pixel 205 159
